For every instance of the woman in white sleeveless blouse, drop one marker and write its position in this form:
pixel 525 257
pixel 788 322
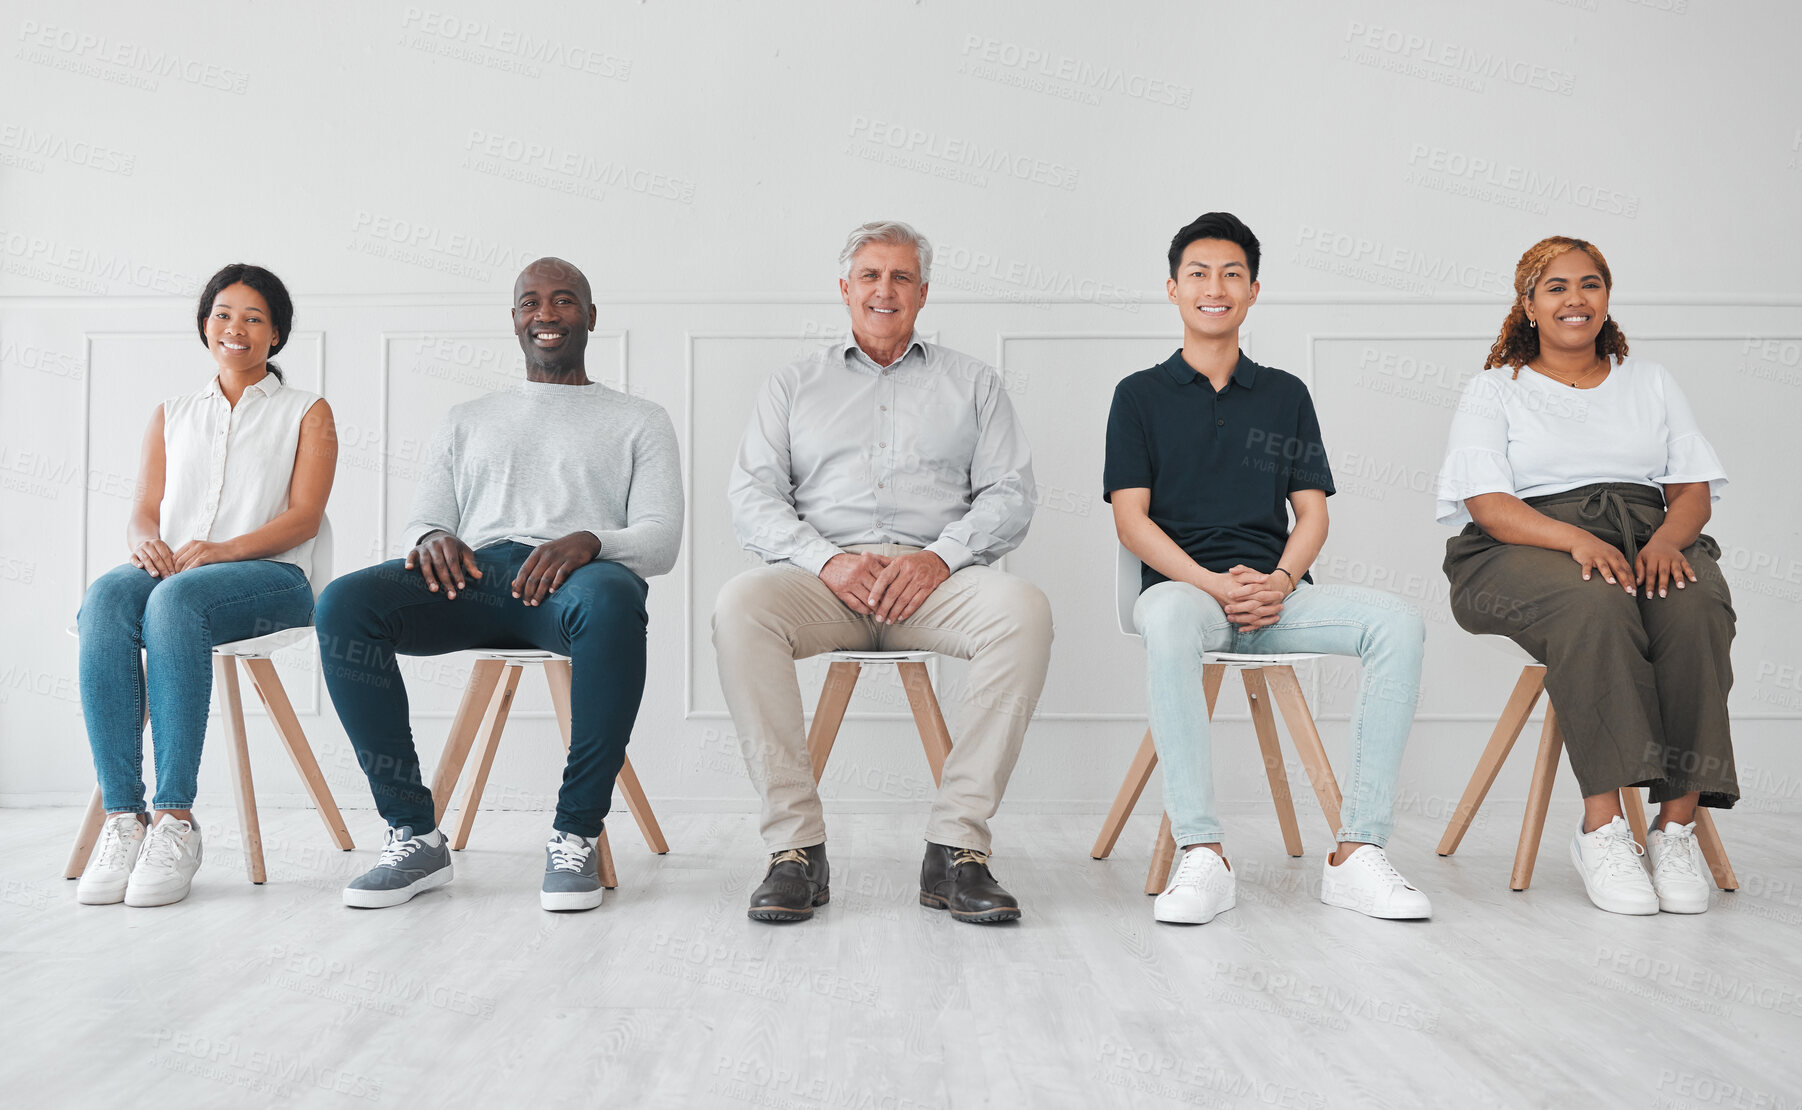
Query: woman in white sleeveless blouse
pixel 230 494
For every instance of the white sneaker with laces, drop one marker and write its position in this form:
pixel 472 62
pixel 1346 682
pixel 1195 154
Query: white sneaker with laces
pixel 1201 887
pixel 1678 876
pixel 109 868
pixel 1369 883
pixel 1609 862
pixel 167 864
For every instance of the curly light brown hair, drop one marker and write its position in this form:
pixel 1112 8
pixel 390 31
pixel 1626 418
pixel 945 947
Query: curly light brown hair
pixel 1518 343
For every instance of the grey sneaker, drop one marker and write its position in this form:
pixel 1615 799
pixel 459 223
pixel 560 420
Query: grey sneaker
pixel 408 865
pixel 572 874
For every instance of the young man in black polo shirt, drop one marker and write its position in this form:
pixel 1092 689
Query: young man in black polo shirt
pixel 1207 453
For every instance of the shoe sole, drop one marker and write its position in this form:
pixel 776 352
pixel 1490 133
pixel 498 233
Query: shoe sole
pixel 975 917
pixel 570 901
pixel 143 899
pixel 780 914
pixel 382 899
pixel 1668 905
pixel 1576 858
pixel 101 896
pixel 1358 906
pixel 1231 902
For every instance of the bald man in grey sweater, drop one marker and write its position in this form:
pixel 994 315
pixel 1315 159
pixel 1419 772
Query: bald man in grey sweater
pixel 541 511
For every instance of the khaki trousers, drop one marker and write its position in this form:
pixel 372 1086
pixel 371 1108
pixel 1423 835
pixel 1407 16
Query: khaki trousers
pixel 769 617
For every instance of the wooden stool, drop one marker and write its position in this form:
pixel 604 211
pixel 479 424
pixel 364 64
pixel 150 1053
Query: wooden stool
pixel 254 653
pixel 482 716
pixel 841 681
pixel 1285 689
pixel 1539 795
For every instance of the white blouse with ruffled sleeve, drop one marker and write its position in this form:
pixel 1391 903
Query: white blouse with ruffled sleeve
pixel 1532 435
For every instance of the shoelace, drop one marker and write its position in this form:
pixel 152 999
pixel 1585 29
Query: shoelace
pixel 160 847
pixel 568 855
pixel 1620 854
pixel 1678 855
pixel 398 850
pixel 793 855
pixel 1190 871
pixel 968 855
pixel 1377 863
pixel 112 845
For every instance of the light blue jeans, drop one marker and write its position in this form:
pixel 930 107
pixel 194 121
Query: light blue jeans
pixel 1179 622
pixel 175 622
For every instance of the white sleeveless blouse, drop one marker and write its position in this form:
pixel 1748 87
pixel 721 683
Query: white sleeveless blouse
pixel 228 469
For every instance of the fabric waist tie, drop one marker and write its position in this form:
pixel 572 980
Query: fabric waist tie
pixel 1608 501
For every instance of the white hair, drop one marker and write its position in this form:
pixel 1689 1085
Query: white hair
pixel 886 231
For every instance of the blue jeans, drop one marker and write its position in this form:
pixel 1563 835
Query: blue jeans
pixel 174 622
pixel 1179 622
pixel 597 618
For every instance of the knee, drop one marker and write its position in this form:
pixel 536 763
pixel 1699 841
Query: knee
pixel 610 600
pixel 1399 627
pixel 339 605
pixel 1175 616
pixel 113 603
pixel 742 603
pixel 175 605
pixel 1030 610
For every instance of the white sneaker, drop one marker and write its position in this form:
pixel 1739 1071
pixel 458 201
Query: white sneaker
pixel 1202 886
pixel 1608 860
pixel 167 864
pixel 1369 883
pixel 1678 876
pixel 109 868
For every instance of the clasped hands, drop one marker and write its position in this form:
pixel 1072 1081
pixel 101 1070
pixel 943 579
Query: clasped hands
pixel 444 560
pixel 1252 600
pixel 888 587
pixel 155 557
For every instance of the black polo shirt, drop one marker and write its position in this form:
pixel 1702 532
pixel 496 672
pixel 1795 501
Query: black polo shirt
pixel 1220 466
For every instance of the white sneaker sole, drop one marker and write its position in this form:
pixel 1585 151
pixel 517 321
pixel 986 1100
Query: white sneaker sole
pixel 565 901
pixel 1178 917
pixel 1612 904
pixel 1358 903
pixel 1687 904
pixel 162 895
pixel 382 899
pixel 101 894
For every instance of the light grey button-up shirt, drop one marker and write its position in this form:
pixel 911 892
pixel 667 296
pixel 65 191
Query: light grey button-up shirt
pixel 925 452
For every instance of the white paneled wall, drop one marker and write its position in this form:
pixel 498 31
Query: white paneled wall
pixel 1386 257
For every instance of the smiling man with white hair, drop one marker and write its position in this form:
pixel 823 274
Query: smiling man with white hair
pixel 879 479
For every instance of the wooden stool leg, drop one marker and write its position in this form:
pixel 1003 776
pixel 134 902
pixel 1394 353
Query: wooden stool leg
pixel 835 695
pixel 1161 857
pixel 1264 722
pixel 640 808
pixel 488 741
pixel 1709 840
pixel 1633 804
pixel 1508 727
pixel 609 878
pixel 483 678
pixel 268 685
pixel 1137 776
pixel 1286 689
pixel 928 718
pixel 86 836
pixel 225 676
pixel 1539 796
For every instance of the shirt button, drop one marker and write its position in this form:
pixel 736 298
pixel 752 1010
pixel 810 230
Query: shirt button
pixel 882 445
pixel 884 408
pixel 879 485
pixel 1221 423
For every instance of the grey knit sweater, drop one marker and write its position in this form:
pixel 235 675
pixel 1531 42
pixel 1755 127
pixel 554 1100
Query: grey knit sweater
pixel 535 462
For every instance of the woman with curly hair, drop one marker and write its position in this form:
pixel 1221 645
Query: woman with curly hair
pixel 1583 483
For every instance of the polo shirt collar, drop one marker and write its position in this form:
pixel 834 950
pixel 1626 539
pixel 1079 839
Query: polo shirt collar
pixel 850 344
pixel 1180 372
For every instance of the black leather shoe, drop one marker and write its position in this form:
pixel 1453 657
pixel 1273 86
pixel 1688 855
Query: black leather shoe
pixel 958 879
pixel 793 886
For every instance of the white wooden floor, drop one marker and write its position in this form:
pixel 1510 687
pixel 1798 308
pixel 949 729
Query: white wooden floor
pixel 667 996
